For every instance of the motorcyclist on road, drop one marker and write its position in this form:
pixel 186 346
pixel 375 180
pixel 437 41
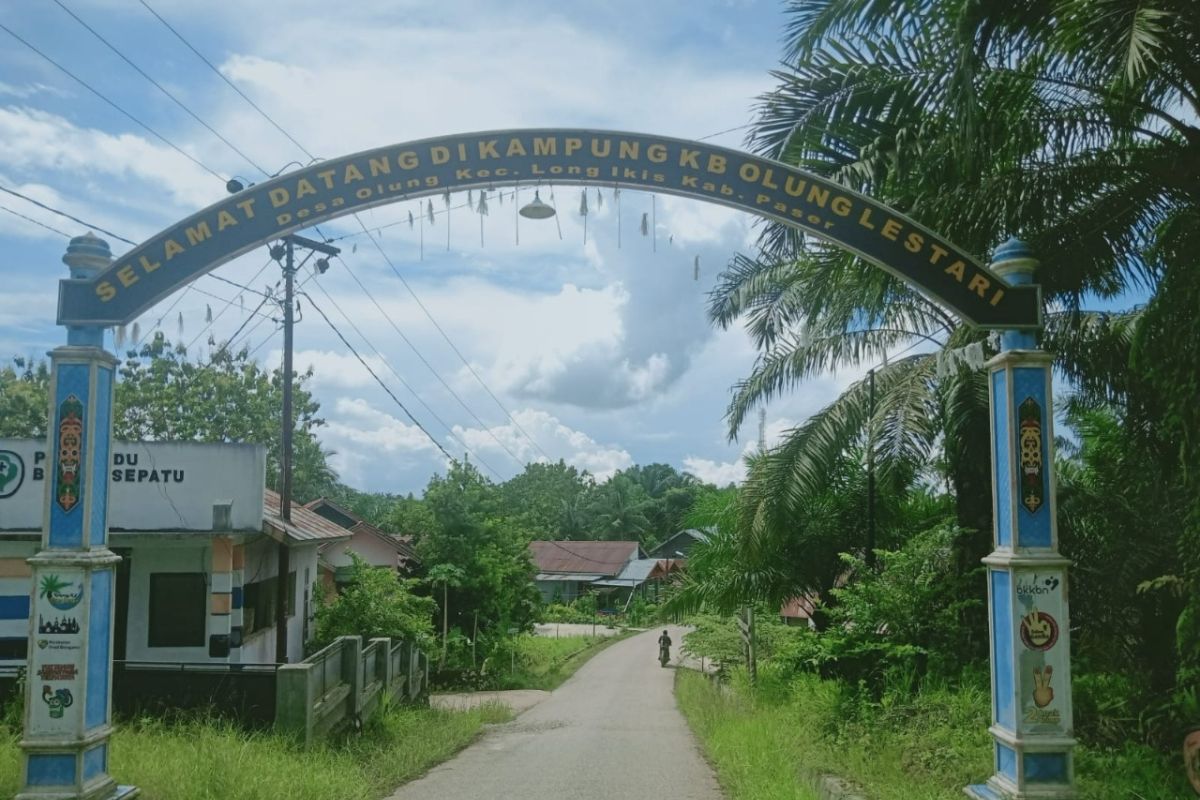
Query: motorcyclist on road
pixel 664 647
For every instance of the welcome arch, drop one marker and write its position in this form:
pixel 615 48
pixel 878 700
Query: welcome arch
pixel 330 189
pixel 66 752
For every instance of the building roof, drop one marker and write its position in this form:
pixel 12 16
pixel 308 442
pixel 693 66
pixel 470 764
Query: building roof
pixel 590 558
pixel 634 574
pixel 306 526
pixel 350 521
pixel 670 546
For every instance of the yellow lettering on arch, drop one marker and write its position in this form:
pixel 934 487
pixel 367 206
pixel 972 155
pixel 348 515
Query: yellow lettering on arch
pixel 956 269
pixel 515 148
pixel 199 233
pixel 224 220
pixel 352 174
pixel 172 249
pixel 303 187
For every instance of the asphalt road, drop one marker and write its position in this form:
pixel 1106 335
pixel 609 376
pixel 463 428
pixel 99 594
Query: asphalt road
pixel 611 731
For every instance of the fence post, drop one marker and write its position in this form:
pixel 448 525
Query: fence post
pixel 352 671
pixel 383 652
pixel 294 700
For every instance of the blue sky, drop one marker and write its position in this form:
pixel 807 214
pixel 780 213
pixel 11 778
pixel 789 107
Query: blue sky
pixel 602 353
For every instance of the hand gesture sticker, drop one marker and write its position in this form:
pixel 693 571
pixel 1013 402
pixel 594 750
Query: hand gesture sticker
pixel 1043 694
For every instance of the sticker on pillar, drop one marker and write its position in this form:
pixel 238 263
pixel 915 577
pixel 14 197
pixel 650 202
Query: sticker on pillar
pixel 70 453
pixel 58 657
pixel 1042 666
pixel 1029 438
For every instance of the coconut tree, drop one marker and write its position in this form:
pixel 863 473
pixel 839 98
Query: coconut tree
pixel 1069 123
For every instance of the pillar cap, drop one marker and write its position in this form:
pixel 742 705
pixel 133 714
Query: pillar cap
pixel 1012 258
pixel 87 255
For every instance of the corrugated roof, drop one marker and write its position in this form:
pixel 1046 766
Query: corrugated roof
pixel 403 544
pixel 584 577
pixel 602 558
pixel 305 525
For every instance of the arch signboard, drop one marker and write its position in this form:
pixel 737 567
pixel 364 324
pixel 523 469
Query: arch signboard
pixel 329 189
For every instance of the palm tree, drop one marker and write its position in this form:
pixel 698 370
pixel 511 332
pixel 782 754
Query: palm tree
pixel 1066 122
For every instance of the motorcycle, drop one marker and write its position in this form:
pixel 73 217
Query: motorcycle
pixel 664 654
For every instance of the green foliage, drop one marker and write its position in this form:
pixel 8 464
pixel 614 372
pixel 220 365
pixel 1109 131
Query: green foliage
pixel 206 759
pixel 540 662
pixel 567 612
pixel 374 603
pixel 161 395
pixel 908 618
pixel 535 499
pixel 24 403
pixel 495 588
pixel 771 742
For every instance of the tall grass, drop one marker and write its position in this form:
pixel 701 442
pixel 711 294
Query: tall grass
pixel 542 662
pixel 206 759
pixel 770 742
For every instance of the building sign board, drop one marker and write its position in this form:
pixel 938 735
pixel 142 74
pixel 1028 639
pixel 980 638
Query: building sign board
pixel 166 262
pixel 153 486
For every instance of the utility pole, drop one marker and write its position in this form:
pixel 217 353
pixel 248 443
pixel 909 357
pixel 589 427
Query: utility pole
pixel 288 253
pixel 870 554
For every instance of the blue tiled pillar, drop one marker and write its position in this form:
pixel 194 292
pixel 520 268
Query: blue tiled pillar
pixel 1027 578
pixel 68 703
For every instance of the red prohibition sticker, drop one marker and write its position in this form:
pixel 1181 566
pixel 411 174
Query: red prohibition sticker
pixel 1039 630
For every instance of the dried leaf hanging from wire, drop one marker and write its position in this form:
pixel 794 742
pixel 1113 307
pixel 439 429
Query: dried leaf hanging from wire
pixel 446 198
pixel 599 199
pixel 470 199
pixel 410 219
pixel 119 337
pixel 137 334
pixel 429 211
pixel 207 313
pixel 696 269
pixel 179 325
pixel 645 224
pixel 583 209
pixel 241 303
pixel 354 247
pixel 482 208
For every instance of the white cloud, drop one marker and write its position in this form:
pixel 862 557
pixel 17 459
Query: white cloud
pixel 336 370
pixel 559 441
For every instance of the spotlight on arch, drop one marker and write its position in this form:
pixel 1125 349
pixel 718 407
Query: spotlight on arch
pixel 536 209
pixel 233 185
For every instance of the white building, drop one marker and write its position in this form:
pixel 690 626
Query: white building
pixel 199 537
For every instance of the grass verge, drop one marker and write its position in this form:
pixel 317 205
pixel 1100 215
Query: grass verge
pixel 769 743
pixel 542 662
pixel 207 759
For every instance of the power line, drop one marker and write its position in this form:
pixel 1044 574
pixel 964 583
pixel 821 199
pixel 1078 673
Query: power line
pixel 404 383
pixel 457 352
pixel 222 76
pixel 303 149
pixel 110 102
pixel 484 426
pixel 159 86
pixel 64 214
pixel 382 385
pixel 34 221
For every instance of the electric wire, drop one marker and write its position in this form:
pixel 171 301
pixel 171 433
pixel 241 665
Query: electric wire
pixel 223 77
pixel 303 149
pixel 159 86
pixel 35 222
pixel 404 383
pixel 484 426
pixel 64 214
pixel 382 385
pixel 114 105
pixel 457 352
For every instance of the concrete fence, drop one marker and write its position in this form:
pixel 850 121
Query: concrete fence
pixel 345 683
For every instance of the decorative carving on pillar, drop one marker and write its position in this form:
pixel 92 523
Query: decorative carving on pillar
pixel 1029 441
pixel 70 453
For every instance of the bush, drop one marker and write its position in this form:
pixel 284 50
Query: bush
pixel 375 603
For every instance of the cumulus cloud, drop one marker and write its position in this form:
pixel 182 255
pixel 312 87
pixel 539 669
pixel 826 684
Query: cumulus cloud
pixel 556 439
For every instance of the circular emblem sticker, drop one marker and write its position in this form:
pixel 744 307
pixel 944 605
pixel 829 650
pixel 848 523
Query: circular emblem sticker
pixel 12 473
pixel 1039 630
